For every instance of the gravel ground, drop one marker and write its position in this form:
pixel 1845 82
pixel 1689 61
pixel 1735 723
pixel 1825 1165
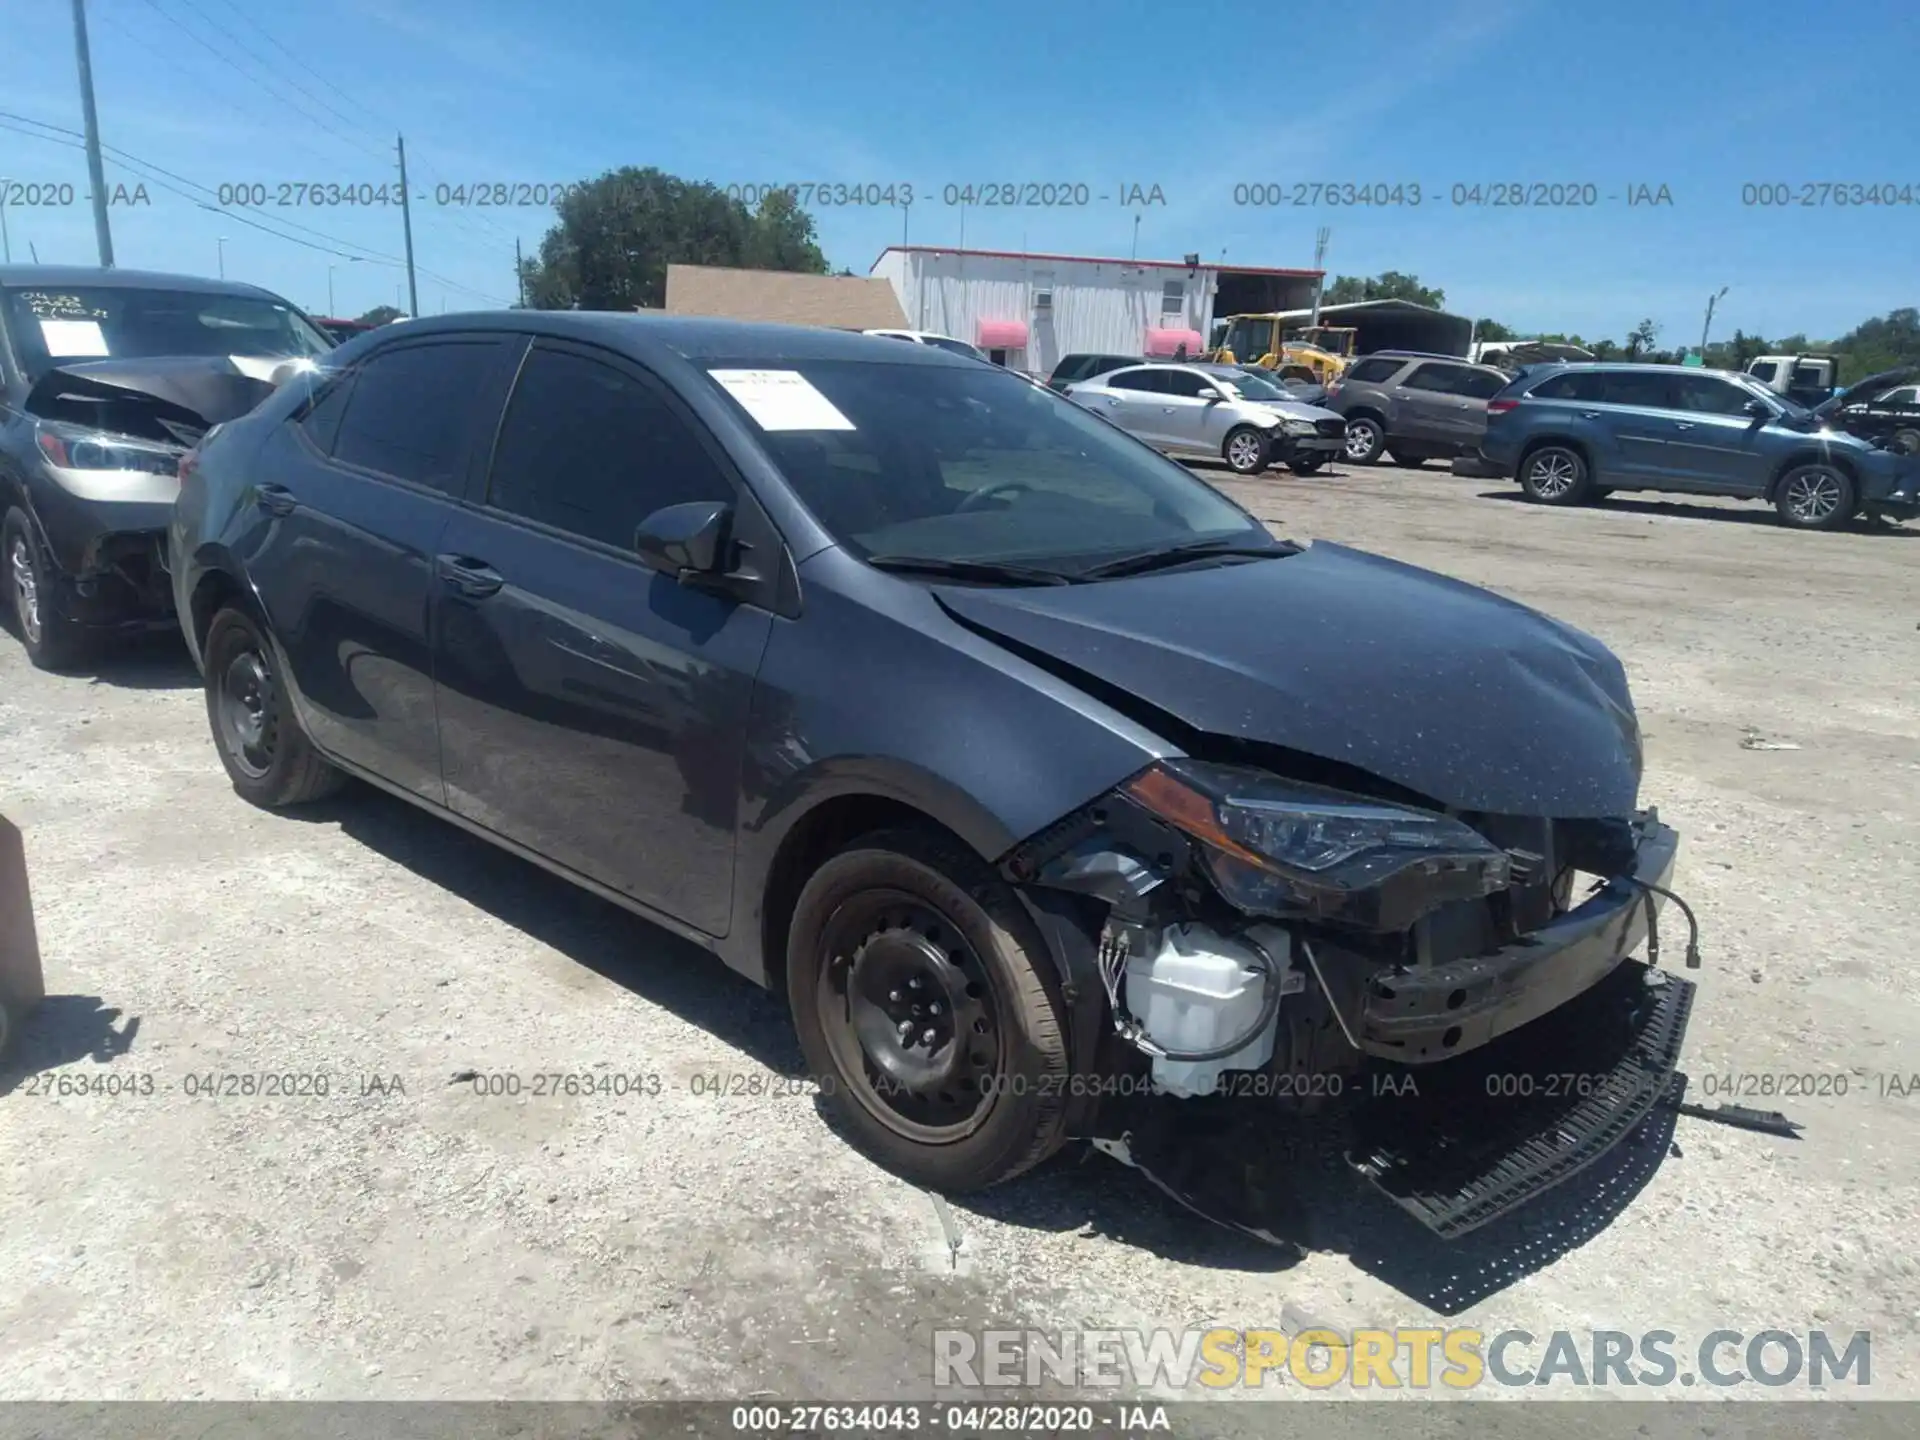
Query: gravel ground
pixel 402 1236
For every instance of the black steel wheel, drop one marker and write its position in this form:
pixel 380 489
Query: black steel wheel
pixel 266 753
pixel 927 1006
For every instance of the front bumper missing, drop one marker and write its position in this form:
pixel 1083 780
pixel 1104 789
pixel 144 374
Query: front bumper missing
pixel 1422 1015
pixel 1512 1122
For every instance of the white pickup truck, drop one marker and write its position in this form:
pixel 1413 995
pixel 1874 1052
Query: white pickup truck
pixel 1808 379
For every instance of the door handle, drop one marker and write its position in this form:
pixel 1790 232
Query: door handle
pixel 470 577
pixel 1683 424
pixel 276 499
pixel 1113 402
pixel 1589 414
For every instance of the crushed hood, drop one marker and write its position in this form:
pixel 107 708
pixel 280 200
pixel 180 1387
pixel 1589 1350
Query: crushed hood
pixel 158 398
pixel 1437 686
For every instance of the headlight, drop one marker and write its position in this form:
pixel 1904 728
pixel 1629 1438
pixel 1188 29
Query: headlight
pixel 1299 427
pixel 1274 847
pixel 72 447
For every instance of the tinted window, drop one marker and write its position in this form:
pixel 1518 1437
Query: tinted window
pixel 1637 387
pixel 1897 398
pixel 1705 393
pixel 1809 375
pixel 1372 372
pixel 591 450
pixel 322 420
pixel 1443 378
pixel 1576 385
pixel 1764 370
pixel 411 412
pixel 967 462
pixel 1135 380
pixel 1480 384
pixel 1071 368
pixel 1182 382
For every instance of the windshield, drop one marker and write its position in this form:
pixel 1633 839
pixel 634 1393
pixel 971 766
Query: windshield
pixel 966 463
pixel 1255 387
pixel 66 324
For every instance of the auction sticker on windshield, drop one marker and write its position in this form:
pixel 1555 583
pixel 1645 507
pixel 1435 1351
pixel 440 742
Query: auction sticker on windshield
pixel 781 400
pixel 68 339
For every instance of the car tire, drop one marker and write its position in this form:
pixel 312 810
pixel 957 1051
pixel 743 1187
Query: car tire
pixel 267 756
pixel 1905 440
pixel 51 640
pixel 1246 450
pixel 911 911
pixel 1555 475
pixel 1815 497
pixel 1311 465
pixel 1406 461
pixel 1366 438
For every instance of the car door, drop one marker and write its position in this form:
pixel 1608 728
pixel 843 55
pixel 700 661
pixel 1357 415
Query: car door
pixel 1474 387
pixel 593 710
pixel 1131 400
pixel 353 497
pixel 1426 408
pixel 1638 409
pixel 1185 418
pixel 1716 444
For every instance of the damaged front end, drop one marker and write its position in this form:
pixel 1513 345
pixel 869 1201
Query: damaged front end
pixel 1321 952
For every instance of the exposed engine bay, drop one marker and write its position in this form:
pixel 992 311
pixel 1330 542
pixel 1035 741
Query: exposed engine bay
pixel 1301 951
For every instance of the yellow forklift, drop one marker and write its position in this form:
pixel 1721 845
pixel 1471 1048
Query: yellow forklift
pixel 1324 351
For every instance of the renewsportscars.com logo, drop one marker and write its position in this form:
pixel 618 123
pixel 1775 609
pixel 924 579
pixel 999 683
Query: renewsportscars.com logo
pixel 1408 1358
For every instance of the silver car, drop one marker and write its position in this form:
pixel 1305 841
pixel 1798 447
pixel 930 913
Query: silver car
pixel 1190 409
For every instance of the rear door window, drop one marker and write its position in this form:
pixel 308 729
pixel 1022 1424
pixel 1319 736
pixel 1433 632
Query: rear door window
pixel 1136 380
pixel 1638 387
pixel 1372 372
pixel 1442 378
pixel 1182 382
pixel 1480 384
pixel 411 415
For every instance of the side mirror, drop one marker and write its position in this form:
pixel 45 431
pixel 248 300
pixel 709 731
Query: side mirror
pixel 1209 393
pixel 686 540
pixel 1759 409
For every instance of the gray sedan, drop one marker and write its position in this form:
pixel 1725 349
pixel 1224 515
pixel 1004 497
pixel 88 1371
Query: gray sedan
pixel 1246 420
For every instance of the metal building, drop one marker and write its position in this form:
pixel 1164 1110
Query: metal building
pixel 1026 311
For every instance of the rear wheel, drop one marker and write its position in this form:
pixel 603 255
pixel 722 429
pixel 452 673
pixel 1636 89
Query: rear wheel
pixel 925 1004
pixel 1906 441
pixel 1246 450
pixel 266 753
pixel 1407 461
pixel 1365 439
pixel 51 640
pixel 1815 497
pixel 1555 475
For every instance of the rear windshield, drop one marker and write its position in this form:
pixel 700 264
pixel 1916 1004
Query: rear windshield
pixel 65 324
pixel 964 462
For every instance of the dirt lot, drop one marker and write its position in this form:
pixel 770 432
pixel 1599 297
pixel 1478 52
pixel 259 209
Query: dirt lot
pixel 403 1236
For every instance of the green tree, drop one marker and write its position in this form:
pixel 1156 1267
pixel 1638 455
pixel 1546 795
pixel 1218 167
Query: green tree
pixel 617 234
pixel 1640 339
pixel 381 315
pixel 1492 330
pixel 1388 285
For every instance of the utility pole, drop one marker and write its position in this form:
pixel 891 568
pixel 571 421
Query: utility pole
pixel 1319 264
pixel 406 220
pixel 95 171
pixel 6 245
pixel 1134 254
pixel 1712 300
pixel 519 275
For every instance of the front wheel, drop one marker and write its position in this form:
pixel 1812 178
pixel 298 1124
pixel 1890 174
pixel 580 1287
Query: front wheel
pixel 1906 441
pixel 1246 450
pixel 1365 440
pixel 51 640
pixel 1555 475
pixel 1815 497
pixel 925 1003
pixel 266 754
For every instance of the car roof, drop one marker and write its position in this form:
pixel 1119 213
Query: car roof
pixel 692 337
pixel 1420 355
pixel 16 277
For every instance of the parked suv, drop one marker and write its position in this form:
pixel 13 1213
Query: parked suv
pixel 1028 767
pixel 1084 367
pixel 1413 407
pixel 1570 434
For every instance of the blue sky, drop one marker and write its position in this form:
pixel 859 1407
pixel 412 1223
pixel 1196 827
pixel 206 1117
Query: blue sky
pixel 1699 96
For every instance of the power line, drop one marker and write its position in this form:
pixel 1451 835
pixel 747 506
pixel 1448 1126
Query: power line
pixel 137 165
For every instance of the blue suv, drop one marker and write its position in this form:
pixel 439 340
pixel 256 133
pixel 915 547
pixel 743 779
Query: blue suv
pixel 1571 434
